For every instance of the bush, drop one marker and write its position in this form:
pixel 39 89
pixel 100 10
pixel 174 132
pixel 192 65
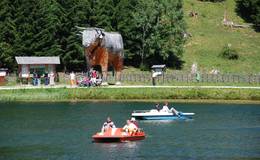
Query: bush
pixel 229 53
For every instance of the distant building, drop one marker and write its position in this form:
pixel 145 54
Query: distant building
pixel 40 65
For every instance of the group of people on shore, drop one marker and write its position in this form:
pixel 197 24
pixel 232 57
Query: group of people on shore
pixel 130 127
pixel 91 79
pixel 48 78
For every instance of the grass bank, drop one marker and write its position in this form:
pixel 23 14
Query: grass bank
pixel 209 36
pixel 129 94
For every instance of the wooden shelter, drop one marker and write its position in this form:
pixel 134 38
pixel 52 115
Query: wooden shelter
pixel 40 65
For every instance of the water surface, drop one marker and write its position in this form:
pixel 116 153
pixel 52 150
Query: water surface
pixel 62 131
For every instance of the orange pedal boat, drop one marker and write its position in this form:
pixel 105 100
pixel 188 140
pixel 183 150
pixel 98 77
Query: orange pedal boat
pixel 117 135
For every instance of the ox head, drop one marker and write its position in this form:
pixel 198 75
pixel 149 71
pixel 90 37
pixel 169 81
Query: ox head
pixel 92 40
pixel 91 36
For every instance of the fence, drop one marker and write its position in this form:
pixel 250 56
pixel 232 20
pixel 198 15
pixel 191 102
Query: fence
pixel 181 77
pixel 168 78
pixel 188 78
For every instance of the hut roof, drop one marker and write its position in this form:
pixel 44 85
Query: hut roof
pixel 158 66
pixel 38 60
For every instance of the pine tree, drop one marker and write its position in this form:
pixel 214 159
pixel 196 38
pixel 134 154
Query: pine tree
pixel 103 14
pixel 7 34
pixel 123 22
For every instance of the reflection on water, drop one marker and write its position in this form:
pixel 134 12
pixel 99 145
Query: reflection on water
pixel 119 150
pixel 159 122
pixel 115 146
pixel 63 131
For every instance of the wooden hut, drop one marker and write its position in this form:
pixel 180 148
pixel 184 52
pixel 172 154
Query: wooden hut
pixel 28 65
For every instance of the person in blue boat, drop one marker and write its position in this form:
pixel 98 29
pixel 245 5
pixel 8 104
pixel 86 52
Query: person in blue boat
pixel 108 124
pixel 174 111
pixel 157 106
pixel 165 108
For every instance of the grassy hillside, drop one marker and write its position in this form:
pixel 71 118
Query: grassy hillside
pixel 209 36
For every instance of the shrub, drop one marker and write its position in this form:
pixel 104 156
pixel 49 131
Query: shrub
pixel 229 53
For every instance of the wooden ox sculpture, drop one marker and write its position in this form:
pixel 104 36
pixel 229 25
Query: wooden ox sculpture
pixel 104 49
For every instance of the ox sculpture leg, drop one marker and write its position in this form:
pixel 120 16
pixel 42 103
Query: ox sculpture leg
pixel 104 68
pixel 118 65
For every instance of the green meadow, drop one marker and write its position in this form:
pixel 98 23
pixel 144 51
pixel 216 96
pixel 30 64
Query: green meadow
pixel 209 36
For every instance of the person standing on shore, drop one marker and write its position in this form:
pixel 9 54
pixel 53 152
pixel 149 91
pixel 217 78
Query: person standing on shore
pixel 52 79
pixel 72 78
pixel 34 78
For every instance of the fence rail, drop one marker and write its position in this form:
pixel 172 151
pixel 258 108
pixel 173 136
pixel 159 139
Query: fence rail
pixel 184 77
pixel 168 78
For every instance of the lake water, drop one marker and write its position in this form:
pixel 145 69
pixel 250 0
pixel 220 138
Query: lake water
pixel 62 131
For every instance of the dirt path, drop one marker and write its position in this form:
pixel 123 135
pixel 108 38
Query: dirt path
pixel 132 86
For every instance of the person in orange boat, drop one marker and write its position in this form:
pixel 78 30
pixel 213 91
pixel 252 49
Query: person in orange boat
pixel 130 127
pixel 133 120
pixel 108 124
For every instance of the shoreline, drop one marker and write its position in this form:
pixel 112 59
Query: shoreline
pixel 179 95
pixel 130 86
pixel 190 101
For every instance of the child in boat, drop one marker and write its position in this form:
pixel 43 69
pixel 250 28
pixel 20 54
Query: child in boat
pixel 130 127
pixel 108 124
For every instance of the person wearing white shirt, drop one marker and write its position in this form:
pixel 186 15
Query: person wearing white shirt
pixel 130 127
pixel 72 78
pixel 165 108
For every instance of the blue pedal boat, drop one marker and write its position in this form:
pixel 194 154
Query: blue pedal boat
pixel 158 115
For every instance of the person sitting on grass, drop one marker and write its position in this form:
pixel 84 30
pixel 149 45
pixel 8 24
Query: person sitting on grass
pixel 130 127
pixel 108 124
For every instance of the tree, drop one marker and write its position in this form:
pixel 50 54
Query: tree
pixel 250 11
pixel 151 29
pixel 7 34
pixel 160 28
pixel 103 14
